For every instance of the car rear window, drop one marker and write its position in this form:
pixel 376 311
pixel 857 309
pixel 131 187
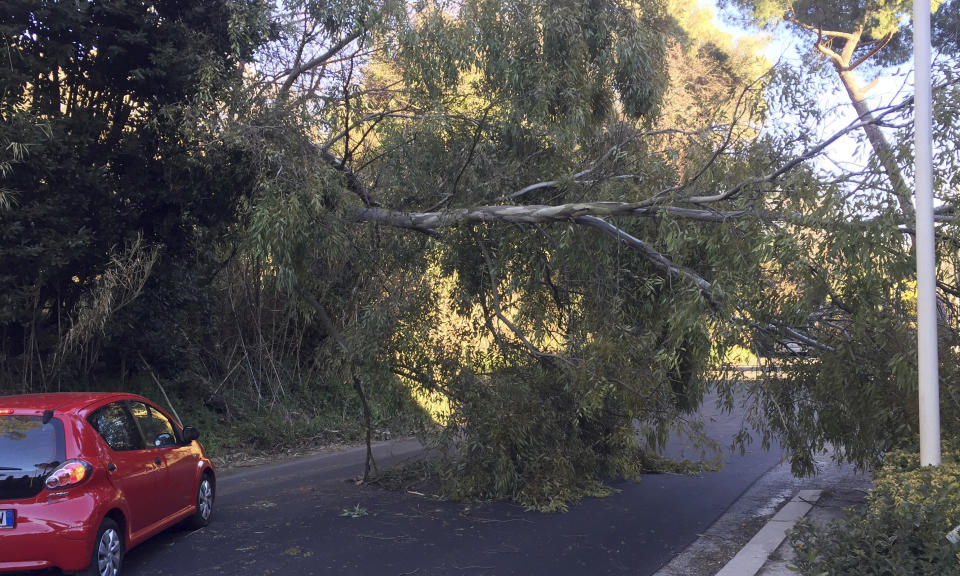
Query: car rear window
pixel 29 451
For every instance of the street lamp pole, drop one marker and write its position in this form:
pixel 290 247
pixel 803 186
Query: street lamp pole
pixel 927 360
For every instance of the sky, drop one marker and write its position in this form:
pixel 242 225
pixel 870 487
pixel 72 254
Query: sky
pixel 786 45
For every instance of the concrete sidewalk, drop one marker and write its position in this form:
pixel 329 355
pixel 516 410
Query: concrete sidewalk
pixel 749 539
pixel 831 506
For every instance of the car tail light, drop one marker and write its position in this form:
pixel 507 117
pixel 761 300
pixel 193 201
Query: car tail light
pixel 69 474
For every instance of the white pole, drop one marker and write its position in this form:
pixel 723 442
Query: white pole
pixel 926 261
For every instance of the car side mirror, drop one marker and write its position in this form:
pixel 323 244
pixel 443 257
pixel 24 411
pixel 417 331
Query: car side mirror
pixel 190 434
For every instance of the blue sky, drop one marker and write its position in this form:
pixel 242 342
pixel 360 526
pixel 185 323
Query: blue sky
pixel 787 46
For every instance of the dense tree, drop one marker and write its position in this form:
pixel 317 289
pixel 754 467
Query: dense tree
pixel 567 323
pixel 556 218
pixel 852 272
pixel 103 107
pixel 816 261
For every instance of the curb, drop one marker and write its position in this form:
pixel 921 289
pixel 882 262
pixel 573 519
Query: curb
pixel 752 557
pixel 840 487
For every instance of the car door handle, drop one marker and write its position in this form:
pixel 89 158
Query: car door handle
pixel 111 467
pixel 156 460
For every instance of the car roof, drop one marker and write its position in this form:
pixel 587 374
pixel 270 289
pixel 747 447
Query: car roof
pixel 61 401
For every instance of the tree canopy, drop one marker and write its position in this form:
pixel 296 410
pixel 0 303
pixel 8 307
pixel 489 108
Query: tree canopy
pixel 561 222
pixel 105 106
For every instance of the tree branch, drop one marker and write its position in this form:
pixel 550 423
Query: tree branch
pixel 375 117
pixel 535 214
pixel 555 184
pixel 473 149
pixel 498 311
pixel 879 45
pixel 658 259
pixel 351 375
pixel 829 53
pixel 820 31
pixel 806 155
pixel 298 70
pixel 354 184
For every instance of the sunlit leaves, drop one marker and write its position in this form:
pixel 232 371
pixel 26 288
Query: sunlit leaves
pixel 552 61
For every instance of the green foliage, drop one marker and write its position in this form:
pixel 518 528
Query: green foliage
pixel 494 96
pixel 563 63
pixel 880 17
pixel 526 435
pixel 853 289
pixel 101 107
pixel 247 144
pixel 628 356
pixel 356 512
pixel 945 23
pixel 843 273
pixel 902 531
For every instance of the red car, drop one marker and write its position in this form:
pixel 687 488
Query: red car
pixel 85 477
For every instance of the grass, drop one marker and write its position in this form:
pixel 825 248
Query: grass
pixel 238 428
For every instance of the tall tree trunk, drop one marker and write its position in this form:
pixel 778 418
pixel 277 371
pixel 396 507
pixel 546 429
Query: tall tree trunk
pixel 878 142
pixel 844 64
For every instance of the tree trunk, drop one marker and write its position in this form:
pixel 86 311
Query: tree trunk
pixel 878 142
pixel 334 333
pixel 367 422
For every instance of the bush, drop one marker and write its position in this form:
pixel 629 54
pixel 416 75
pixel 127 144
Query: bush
pixel 533 440
pixel 902 531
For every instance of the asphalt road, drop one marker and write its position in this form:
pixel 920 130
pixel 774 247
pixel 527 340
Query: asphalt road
pixel 288 519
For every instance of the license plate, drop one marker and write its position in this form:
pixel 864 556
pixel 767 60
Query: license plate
pixel 7 518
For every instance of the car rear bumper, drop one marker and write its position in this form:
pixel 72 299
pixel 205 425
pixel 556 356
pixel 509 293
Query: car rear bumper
pixel 37 551
pixel 48 535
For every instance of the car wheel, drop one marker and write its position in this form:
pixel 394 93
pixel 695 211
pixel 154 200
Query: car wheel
pixel 205 496
pixel 107 551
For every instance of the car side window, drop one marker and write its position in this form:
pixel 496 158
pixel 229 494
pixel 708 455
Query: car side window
pixel 116 427
pixel 157 429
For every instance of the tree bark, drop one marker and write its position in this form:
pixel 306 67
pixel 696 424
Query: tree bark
pixel 878 142
pixel 536 214
pixel 844 65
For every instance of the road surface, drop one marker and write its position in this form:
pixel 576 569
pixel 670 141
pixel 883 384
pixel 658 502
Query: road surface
pixel 294 518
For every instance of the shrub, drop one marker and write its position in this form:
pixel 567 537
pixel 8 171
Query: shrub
pixel 533 440
pixel 902 531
